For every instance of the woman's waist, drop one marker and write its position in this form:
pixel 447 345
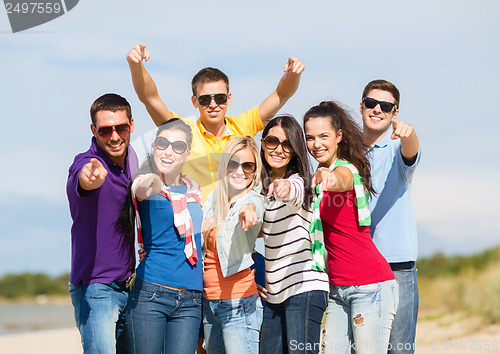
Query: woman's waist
pixel 216 286
pixel 155 287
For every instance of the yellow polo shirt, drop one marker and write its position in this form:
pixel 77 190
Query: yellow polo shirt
pixel 203 162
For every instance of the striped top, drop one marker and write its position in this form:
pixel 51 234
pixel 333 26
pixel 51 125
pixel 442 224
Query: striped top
pixel 288 247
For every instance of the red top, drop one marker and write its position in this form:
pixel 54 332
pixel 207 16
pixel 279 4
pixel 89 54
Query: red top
pixel 353 258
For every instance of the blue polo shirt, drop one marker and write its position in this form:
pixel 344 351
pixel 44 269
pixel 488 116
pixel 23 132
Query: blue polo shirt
pixel 98 254
pixel 393 228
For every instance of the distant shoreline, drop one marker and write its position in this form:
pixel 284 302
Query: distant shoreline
pixel 38 300
pixel 35 314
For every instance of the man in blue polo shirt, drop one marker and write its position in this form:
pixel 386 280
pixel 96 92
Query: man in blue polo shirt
pixel 395 154
pixel 101 259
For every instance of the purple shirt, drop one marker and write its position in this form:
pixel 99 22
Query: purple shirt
pixel 98 254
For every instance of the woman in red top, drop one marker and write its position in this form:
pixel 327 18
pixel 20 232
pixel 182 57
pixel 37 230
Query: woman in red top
pixel 363 292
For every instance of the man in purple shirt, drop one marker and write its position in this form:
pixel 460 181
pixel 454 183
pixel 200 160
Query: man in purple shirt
pixel 102 260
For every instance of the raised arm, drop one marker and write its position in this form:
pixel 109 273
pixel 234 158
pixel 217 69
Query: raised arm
pixel 287 86
pixel 409 139
pixel 144 85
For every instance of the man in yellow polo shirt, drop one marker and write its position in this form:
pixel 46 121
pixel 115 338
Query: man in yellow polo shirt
pixel 211 97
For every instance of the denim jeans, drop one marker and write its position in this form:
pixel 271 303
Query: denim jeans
pixel 163 319
pixel 359 318
pixel 100 317
pixel 405 323
pixel 294 326
pixel 233 325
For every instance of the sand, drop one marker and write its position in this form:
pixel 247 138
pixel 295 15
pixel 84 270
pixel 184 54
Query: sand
pixel 54 341
pixel 451 334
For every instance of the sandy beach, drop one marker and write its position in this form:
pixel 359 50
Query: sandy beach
pixel 452 334
pixel 54 341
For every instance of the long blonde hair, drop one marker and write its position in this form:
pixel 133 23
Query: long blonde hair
pixel 222 198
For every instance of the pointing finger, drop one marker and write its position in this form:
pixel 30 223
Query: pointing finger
pixel 270 190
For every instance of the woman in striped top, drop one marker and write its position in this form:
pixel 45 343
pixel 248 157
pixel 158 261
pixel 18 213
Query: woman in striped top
pixel 296 294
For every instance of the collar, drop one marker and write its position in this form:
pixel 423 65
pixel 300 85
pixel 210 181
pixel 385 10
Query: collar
pixel 204 131
pixel 382 143
pixel 96 150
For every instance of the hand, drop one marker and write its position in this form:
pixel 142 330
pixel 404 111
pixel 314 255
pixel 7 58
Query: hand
pixel 142 254
pixel 294 66
pixel 207 224
pixel 326 177
pixel 148 185
pixel 138 54
pixel 248 216
pixel 401 130
pixel 262 291
pixel 93 175
pixel 280 187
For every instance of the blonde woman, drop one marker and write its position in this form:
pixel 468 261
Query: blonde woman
pixel 232 310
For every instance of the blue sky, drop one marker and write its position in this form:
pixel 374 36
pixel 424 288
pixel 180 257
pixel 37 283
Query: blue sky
pixel 442 55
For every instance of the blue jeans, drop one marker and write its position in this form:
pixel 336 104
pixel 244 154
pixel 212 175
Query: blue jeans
pixel 233 325
pixel 163 319
pixel 405 323
pixel 294 326
pixel 359 318
pixel 100 317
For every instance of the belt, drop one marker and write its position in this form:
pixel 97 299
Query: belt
pixel 126 283
pixel 402 265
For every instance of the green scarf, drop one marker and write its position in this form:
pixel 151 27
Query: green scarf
pixel 316 228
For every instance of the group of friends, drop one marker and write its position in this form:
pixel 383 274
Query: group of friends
pixel 340 241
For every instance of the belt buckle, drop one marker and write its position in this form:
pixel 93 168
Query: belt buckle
pixel 130 281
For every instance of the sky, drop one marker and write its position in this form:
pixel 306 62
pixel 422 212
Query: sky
pixel 443 56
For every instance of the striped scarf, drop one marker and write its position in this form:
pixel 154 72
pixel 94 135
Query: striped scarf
pixel 182 218
pixel 316 228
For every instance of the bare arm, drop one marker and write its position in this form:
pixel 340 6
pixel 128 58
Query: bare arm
pixel 144 85
pixel 340 180
pixel 409 139
pixel 287 87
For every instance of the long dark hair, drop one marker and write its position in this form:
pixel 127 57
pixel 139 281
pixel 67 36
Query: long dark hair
pixel 125 224
pixel 351 148
pixel 299 162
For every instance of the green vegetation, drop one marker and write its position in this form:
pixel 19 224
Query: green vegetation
pixel 462 283
pixel 14 286
pixel 440 265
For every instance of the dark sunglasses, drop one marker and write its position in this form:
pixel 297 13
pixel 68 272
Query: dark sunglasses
pixel 272 142
pixel 179 147
pixel 106 131
pixel 384 105
pixel 248 167
pixel 205 100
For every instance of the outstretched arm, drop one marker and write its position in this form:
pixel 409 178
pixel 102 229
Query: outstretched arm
pixel 339 180
pixel 409 140
pixel 146 185
pixel 92 175
pixel 287 86
pixel 144 85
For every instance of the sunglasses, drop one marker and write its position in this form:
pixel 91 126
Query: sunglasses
pixel 272 142
pixel 247 167
pixel 205 100
pixel 179 147
pixel 107 131
pixel 384 105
